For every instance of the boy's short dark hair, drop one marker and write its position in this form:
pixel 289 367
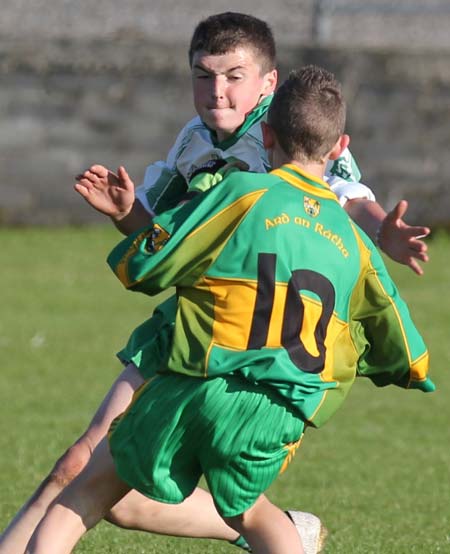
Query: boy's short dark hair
pixel 224 32
pixel 307 113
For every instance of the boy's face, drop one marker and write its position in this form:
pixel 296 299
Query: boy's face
pixel 227 87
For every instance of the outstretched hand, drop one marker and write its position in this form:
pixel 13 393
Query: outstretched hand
pixel 402 242
pixel 109 193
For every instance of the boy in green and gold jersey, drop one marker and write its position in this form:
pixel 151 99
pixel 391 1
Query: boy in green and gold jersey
pixel 233 63
pixel 282 302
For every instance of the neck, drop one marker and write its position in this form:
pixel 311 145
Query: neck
pixel 317 169
pixel 223 135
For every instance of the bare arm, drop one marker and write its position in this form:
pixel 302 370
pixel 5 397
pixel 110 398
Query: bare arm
pixel 397 239
pixel 113 195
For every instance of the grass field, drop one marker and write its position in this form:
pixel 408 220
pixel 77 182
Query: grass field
pixel 378 473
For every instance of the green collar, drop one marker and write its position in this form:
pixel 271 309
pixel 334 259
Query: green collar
pixel 253 117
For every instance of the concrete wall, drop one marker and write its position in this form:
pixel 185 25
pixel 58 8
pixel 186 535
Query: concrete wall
pixel 74 96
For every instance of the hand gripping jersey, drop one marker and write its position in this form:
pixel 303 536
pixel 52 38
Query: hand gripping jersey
pixel 195 147
pixel 276 283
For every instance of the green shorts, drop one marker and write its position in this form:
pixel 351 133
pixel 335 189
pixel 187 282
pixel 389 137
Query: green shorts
pixel 149 345
pixel 238 434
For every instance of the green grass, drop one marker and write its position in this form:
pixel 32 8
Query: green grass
pixel 378 473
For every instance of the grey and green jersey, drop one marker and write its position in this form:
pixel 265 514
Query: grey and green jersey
pixel 276 283
pixel 196 146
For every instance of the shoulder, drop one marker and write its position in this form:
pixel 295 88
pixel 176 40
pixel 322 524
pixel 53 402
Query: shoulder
pixel 248 180
pixel 191 144
pixel 194 125
pixel 245 184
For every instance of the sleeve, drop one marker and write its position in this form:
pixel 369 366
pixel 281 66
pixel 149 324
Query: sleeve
pixel 163 185
pixel 182 243
pixel 157 179
pixel 392 350
pixel 343 176
pixel 348 191
pixel 213 173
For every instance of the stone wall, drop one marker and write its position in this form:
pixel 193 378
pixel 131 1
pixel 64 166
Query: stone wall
pixel 69 101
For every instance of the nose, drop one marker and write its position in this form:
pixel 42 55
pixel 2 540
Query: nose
pixel 218 88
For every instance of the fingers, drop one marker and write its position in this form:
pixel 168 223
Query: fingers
pixel 421 232
pixel 398 211
pixel 416 249
pixel 418 252
pixel 412 235
pixel 124 178
pixel 414 266
pixel 97 175
pixel 421 254
pixel 393 224
pixel 94 170
pixel 402 242
pixel 417 244
pixel 93 173
pixel 81 189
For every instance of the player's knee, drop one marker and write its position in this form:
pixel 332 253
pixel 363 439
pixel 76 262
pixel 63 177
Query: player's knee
pixel 134 511
pixel 121 516
pixel 71 463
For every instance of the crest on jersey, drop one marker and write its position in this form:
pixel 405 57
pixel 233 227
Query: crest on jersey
pixel 311 206
pixel 157 238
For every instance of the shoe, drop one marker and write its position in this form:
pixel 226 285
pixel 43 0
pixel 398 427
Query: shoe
pixel 311 530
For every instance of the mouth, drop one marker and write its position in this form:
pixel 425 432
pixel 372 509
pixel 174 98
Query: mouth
pixel 217 108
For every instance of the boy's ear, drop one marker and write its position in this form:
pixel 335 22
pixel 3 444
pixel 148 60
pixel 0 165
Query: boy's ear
pixel 270 82
pixel 268 135
pixel 341 144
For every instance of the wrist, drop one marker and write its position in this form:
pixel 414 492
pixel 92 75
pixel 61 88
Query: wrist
pixel 122 214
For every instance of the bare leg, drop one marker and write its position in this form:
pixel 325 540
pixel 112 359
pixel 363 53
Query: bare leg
pixel 196 517
pixel 81 505
pixel 134 511
pixel 16 536
pixel 87 499
pixel 267 529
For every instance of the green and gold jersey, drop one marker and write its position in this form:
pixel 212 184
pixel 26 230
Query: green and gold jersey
pixel 276 283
